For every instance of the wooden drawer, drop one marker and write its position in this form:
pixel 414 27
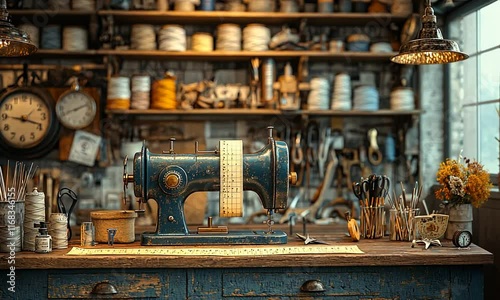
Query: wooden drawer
pixel 85 285
pixel 342 282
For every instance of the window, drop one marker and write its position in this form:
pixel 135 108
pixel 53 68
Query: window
pixel 474 86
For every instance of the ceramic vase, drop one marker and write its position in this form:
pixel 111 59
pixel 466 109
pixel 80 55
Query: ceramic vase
pixel 460 219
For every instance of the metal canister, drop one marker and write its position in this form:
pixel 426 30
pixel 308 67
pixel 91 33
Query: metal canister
pixel 268 77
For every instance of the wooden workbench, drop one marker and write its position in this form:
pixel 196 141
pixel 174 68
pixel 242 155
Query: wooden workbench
pixel 386 269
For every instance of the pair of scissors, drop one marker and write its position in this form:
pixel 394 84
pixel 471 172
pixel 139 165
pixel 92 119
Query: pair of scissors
pixel 379 185
pixel 62 208
pixel 361 189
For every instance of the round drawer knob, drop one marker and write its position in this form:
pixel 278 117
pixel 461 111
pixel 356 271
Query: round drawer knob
pixel 312 286
pixel 104 288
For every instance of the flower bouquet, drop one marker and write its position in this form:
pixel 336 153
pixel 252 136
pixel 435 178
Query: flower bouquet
pixel 463 182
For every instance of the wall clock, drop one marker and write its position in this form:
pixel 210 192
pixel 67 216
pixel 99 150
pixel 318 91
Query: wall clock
pixel 76 109
pixel 28 124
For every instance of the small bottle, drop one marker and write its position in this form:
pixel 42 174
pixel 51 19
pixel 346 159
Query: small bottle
pixel 43 241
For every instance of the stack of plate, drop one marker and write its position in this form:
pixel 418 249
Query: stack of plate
pixel 366 98
pixel 341 97
pixel 319 95
pixel 402 99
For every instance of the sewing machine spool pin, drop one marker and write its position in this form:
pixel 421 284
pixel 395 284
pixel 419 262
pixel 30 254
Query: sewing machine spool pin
pixel 170 178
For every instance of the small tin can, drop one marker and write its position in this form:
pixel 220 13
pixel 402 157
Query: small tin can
pixel 87 234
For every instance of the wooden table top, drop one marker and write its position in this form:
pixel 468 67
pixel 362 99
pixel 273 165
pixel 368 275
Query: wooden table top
pixel 377 252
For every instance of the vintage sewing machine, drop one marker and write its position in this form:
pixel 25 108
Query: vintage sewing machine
pixel 169 178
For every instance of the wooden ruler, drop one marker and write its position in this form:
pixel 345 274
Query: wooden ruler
pixel 231 178
pixel 218 251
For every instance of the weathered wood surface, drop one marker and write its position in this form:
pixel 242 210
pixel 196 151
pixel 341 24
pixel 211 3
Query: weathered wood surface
pixel 380 252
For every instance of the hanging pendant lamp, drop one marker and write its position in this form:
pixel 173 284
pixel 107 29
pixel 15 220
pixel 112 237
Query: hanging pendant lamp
pixel 429 47
pixel 13 42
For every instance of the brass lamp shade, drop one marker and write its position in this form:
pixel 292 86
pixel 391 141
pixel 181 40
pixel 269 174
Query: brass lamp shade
pixel 429 47
pixel 13 42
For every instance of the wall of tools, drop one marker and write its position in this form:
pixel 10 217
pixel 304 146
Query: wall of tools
pixel 322 78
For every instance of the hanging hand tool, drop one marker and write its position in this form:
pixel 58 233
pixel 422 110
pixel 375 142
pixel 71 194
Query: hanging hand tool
pixel 62 208
pixel 297 157
pixel 324 150
pixel 374 153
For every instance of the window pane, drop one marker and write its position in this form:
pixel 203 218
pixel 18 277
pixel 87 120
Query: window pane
pixel 489 21
pixel 470 132
pixel 470 80
pixel 489 79
pixel 469 34
pixel 489 128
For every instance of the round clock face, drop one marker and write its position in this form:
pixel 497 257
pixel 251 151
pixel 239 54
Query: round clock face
pixel 24 120
pixel 462 239
pixel 76 110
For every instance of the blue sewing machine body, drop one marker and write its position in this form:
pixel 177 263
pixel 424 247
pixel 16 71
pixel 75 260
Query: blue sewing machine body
pixel 169 178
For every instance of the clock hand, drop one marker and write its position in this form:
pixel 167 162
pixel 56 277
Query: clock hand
pixel 22 119
pixel 74 109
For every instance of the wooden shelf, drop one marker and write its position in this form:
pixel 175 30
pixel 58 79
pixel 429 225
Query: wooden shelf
pixel 260 112
pixel 64 53
pixel 270 18
pixel 245 55
pixel 40 17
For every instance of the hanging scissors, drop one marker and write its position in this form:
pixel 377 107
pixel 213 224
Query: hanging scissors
pixel 62 208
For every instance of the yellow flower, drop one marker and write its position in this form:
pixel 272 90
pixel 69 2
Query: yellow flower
pixel 463 183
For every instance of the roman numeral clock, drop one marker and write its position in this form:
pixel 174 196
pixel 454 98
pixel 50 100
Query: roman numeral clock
pixel 28 124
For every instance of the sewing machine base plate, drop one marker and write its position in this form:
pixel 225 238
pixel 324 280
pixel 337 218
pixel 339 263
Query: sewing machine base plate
pixel 243 237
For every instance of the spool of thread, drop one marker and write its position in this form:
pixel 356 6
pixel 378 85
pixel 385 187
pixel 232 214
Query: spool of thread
pixel 289 6
pixel 51 37
pixel 325 6
pixel 10 235
pixel 185 5
pixel 207 5
pixel 390 148
pixel 366 98
pixel 143 37
pixel 118 93
pixel 75 38
pixel 141 92
pixel 164 93
pixel 268 77
pixel 58 229
pixel 34 214
pixel 162 5
pixel 341 96
pixel 202 42
pixel 59 4
pixel 85 5
pixel 402 7
pixel 234 5
pixel 228 37
pixel 256 37
pixel 261 5
pixel 319 95
pixel 32 31
pixel 172 38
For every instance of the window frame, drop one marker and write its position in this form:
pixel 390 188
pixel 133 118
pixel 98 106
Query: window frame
pixel 467 8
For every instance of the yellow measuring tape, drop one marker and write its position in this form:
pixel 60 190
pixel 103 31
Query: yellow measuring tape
pixel 217 251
